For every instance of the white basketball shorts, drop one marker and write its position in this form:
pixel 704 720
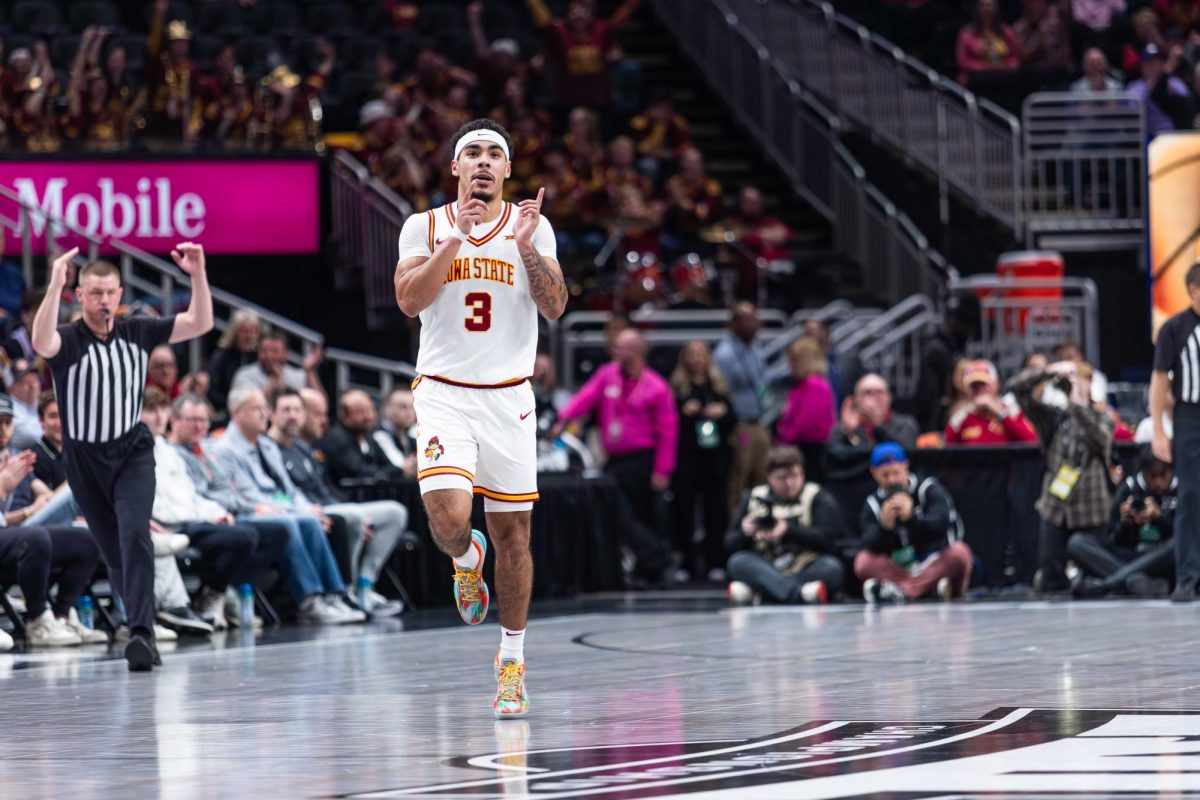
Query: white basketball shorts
pixel 483 440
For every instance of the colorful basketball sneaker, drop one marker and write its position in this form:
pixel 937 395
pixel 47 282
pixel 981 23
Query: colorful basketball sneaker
pixel 511 698
pixel 470 592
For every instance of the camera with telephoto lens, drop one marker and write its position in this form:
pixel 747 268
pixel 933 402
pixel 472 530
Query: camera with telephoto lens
pixel 894 489
pixel 1138 503
pixel 764 517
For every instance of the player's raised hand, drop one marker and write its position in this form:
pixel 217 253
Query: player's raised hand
pixel 528 217
pixel 470 213
pixel 58 270
pixel 189 257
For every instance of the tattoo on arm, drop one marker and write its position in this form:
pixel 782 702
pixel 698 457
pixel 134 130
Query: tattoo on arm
pixel 548 288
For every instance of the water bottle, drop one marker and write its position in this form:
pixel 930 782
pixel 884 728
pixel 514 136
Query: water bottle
pixel 87 612
pixel 246 606
pixel 363 593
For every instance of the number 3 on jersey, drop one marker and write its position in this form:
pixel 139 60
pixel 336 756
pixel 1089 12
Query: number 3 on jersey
pixel 480 304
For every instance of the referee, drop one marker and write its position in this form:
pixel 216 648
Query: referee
pixel 1177 360
pixel 99 368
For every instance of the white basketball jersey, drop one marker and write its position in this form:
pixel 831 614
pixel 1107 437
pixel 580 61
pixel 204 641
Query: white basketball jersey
pixel 482 329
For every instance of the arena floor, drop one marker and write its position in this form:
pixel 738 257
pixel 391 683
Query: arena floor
pixel 635 697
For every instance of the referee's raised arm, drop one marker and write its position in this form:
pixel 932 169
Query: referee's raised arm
pixel 46 341
pixel 198 319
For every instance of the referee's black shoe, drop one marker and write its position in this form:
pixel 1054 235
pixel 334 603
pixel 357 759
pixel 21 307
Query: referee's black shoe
pixel 1185 592
pixel 141 654
pixel 184 620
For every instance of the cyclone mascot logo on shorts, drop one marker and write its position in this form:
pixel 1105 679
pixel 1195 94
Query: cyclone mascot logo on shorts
pixel 434 450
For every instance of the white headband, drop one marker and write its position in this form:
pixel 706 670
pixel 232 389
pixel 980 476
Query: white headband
pixel 475 137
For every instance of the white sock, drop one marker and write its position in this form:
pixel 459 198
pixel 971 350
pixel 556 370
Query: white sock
pixel 512 645
pixel 469 560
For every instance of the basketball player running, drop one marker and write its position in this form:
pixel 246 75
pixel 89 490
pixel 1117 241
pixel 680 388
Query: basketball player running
pixel 478 271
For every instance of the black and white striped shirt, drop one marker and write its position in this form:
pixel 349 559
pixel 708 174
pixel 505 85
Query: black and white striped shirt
pixel 1178 352
pixel 99 383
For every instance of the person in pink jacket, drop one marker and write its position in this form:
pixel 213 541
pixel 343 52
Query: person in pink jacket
pixel 639 427
pixel 810 412
pixel 985 43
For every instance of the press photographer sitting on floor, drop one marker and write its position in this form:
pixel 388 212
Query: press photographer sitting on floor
pixel 910 533
pixel 782 537
pixel 1137 555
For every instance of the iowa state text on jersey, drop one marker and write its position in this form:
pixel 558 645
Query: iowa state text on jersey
pixel 488 269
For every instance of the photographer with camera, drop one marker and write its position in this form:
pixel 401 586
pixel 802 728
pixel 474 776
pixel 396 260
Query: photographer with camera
pixel 1077 441
pixel 1137 555
pixel 782 541
pixel 911 536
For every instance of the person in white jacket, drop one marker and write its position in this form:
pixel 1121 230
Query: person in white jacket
pixel 232 552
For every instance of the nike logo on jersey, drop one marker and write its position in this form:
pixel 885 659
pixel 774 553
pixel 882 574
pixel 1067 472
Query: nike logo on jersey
pixel 438 242
pixel 527 413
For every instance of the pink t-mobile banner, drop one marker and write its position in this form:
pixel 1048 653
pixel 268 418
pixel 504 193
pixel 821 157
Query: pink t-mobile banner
pixel 241 207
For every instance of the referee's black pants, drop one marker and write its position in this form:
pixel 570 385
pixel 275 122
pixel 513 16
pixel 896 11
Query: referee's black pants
pixel 1187 514
pixel 113 484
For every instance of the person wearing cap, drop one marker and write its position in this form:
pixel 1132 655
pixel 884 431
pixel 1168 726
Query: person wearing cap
pixel 1077 442
pixel 987 420
pixel 25 389
pixel 172 81
pixel 912 541
pixel 37 557
pixel 496 62
pixel 1164 97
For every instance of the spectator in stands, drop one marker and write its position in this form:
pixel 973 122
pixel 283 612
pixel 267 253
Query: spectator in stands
pixel 253 462
pixel 289 121
pixel 347 450
pixel 404 15
pixel 191 416
pixel 96 118
pixel 1095 74
pixel 36 557
pixel 706 423
pixel 229 115
pixel 940 356
pixel 639 427
pixel 433 77
pixel 816 328
pixel 19 345
pixel 173 113
pixel 693 201
pixel 1146 32
pixel 375 527
pixel 1164 97
pixel 986 43
pixel 782 539
pixel 987 420
pixel 739 358
pixel 1077 441
pixel 162 371
pixel 547 392
pixel 49 468
pixel 272 371
pixel 565 198
pixel 580 50
pixel 237 348
pixel 496 62
pixel 867 420
pixel 1177 17
pixel 911 539
pixel 1096 15
pixel 397 433
pixel 122 86
pixel 764 243
pixel 809 412
pixel 34 125
pixel 1136 555
pixel 25 391
pixel 232 553
pixel 585 147
pixel 661 134
pixel 1044 35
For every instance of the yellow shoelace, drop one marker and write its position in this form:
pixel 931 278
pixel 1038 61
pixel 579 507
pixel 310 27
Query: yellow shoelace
pixel 511 675
pixel 468 585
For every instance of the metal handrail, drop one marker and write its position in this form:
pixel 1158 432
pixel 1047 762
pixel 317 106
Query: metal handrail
pixel 800 133
pixel 970 144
